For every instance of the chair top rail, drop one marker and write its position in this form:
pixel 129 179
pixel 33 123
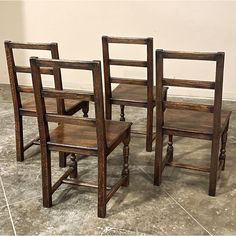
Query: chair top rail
pixel 127 40
pixel 206 56
pixel 66 64
pixel 33 46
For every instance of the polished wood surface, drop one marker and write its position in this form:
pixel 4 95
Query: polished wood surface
pixel 201 121
pixel 84 136
pixel 27 108
pixel 76 135
pixel 130 91
pixel 193 122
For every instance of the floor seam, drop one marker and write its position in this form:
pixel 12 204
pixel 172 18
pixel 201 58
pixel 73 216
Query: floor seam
pixel 7 204
pixel 177 203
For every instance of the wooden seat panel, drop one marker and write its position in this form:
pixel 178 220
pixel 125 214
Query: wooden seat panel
pixel 84 136
pixel 130 92
pixel 51 106
pixel 192 121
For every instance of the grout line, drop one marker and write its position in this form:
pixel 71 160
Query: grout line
pixel 176 202
pixel 9 211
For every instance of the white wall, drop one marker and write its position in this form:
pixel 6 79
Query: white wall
pixel 175 25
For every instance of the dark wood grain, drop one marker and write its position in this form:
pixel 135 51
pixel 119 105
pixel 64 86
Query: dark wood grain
pixel 28 108
pixel 130 91
pixel 200 121
pixel 77 135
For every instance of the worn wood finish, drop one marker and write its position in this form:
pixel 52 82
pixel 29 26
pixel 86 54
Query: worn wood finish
pixel 201 121
pixel 130 91
pixel 77 135
pixel 28 108
pixel 188 83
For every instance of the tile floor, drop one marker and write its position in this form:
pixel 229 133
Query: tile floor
pixel 180 206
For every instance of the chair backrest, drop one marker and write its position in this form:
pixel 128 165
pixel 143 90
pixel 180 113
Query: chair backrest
pixel 216 85
pixel 14 69
pixel 148 63
pixel 40 93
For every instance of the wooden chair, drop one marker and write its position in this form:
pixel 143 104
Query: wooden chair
pixel 27 108
pixel 78 135
pixel 131 92
pixel 200 121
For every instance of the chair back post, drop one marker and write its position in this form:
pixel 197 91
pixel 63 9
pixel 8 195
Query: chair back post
pixel 218 93
pixel 40 103
pixel 107 74
pixel 57 78
pixel 159 87
pixel 150 72
pixel 12 76
pixel 99 108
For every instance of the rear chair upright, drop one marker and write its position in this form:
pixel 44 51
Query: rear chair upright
pixel 27 107
pixel 131 91
pixel 200 121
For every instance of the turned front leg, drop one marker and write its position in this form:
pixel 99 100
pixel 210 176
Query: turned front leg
pixel 73 165
pixel 122 113
pixel 125 171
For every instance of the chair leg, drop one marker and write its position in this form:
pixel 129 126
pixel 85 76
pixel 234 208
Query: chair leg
pixel 158 158
pixel 19 138
pixel 46 177
pixel 74 166
pixel 125 171
pixel 223 146
pixel 108 110
pixel 214 166
pixel 149 129
pixel 122 113
pixel 85 109
pixel 102 182
pixel 62 159
pixel 170 148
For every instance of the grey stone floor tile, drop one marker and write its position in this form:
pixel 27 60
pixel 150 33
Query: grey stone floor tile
pixel 130 211
pixel 2 197
pixel 180 206
pixel 5 222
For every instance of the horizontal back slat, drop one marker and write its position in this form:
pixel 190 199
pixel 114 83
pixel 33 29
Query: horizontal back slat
pixel 128 81
pixel 25 89
pixel 188 106
pixel 121 62
pixel 70 120
pixel 31 46
pixel 68 94
pixel 25 69
pixel 67 64
pixel 190 55
pixel 188 83
pixel 124 40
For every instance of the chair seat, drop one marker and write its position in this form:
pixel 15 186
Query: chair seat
pixel 51 106
pixel 84 136
pixel 192 121
pixel 130 92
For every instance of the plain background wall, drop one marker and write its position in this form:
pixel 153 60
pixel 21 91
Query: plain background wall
pixel 78 26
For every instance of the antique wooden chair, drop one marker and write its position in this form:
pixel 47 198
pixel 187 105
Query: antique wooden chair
pixel 191 120
pixel 131 92
pixel 27 107
pixel 76 135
